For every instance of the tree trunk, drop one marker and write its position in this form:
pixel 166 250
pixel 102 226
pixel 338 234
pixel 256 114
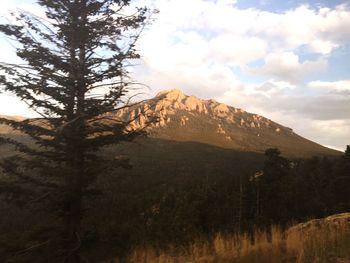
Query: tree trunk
pixel 73 230
pixel 257 199
pixel 74 215
pixel 240 214
pixel 74 210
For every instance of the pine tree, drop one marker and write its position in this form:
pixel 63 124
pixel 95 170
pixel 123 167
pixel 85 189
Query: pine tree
pixel 75 77
pixel 347 152
pixel 274 183
pixel 341 183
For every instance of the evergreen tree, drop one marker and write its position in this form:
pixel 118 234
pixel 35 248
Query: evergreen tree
pixel 347 152
pixel 341 183
pixel 274 187
pixel 75 77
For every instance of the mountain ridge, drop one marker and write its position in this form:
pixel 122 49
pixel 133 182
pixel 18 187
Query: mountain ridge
pixel 167 101
pixel 188 118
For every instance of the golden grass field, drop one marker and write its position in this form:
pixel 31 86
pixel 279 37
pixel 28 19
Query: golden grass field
pixel 316 241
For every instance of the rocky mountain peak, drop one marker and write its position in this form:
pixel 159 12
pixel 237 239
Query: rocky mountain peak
pixel 176 108
pixel 172 100
pixel 176 99
pixel 173 94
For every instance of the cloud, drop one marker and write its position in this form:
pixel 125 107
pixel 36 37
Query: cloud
pixel 341 85
pixel 329 107
pixel 277 96
pixel 322 119
pixel 7 107
pixel 205 81
pixel 315 118
pixel 13 6
pixel 334 24
pixel 334 133
pixel 319 30
pixel 287 67
pixel 232 50
pixel 272 87
pixel 316 107
pixel 7 8
pixel 218 32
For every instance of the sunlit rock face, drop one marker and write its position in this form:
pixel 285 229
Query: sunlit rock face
pixel 173 115
pixel 169 103
pixel 162 110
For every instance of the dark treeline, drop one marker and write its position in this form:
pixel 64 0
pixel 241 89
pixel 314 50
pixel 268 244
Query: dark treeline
pixel 141 211
pixel 284 192
pixel 299 189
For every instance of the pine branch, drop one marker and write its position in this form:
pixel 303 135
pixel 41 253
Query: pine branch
pixel 10 167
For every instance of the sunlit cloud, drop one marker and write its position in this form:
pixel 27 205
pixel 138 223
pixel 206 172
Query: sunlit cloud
pixel 286 66
pixel 341 85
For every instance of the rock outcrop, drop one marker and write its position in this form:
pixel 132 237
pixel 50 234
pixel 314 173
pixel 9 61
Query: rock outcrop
pixel 168 103
pixel 324 232
pixel 333 221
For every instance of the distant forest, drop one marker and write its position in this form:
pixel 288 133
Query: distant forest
pixel 135 211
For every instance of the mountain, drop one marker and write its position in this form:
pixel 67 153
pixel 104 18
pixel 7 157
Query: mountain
pixel 186 179
pixel 183 118
pixel 4 129
pixel 188 118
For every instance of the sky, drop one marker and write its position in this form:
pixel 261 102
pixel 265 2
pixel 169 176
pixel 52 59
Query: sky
pixel 285 60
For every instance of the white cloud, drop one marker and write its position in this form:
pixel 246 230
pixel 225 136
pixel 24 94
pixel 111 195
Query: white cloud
pixel 287 67
pixel 332 133
pixel 8 8
pixel 319 30
pixel 325 107
pixel 7 107
pixel 273 87
pixel 341 85
pixel 218 32
pixel 206 81
pixel 240 50
pixel 13 6
pixel 256 98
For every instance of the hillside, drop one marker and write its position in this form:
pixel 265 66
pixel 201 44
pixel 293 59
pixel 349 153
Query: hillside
pixel 4 129
pixel 195 137
pixel 188 118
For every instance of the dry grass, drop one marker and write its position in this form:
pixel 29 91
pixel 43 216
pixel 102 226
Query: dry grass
pixel 317 241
